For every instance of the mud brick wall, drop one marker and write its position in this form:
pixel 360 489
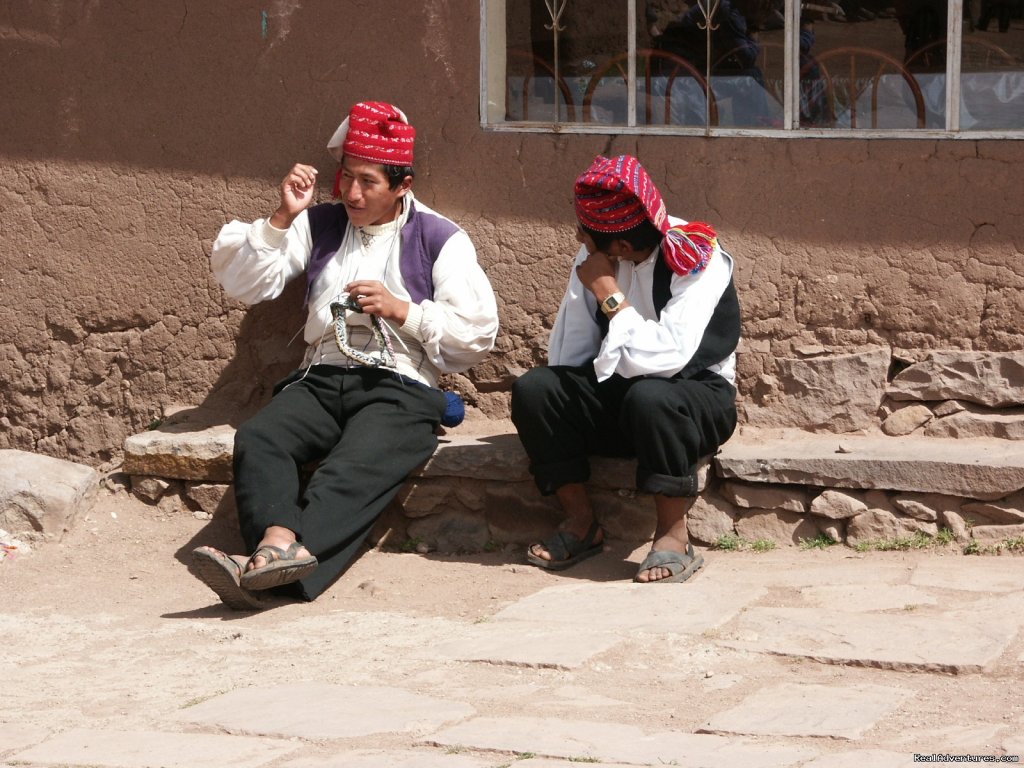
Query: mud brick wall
pixel 130 138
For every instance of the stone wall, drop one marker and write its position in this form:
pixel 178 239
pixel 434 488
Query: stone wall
pixel 890 455
pixel 974 397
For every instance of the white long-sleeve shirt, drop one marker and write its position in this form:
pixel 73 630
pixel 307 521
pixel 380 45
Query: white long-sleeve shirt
pixel 453 331
pixel 638 343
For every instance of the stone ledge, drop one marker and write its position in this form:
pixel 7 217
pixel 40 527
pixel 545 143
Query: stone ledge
pixel 181 452
pixel 785 486
pixel 979 468
pixel 204 455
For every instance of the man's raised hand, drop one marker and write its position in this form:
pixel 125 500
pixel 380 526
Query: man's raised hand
pixel 297 190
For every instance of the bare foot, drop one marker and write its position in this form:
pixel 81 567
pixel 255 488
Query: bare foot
pixel 575 529
pixel 667 543
pixel 275 536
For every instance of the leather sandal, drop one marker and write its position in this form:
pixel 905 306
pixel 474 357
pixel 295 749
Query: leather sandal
pixel 283 567
pixel 566 549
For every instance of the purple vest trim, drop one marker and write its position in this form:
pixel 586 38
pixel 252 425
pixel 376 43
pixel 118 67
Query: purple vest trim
pixel 423 237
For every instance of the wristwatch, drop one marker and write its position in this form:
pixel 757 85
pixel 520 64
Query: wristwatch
pixel 612 304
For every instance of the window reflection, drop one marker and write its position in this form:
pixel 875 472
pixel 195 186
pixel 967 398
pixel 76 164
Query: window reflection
pixel 853 72
pixel 992 65
pixel 862 64
pixel 732 43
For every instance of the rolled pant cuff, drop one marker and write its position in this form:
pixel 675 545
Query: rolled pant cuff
pixel 667 485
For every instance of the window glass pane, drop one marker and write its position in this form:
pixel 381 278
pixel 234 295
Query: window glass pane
pixel 554 48
pixel 859 59
pixel 737 46
pixel 992 66
pixel 669 91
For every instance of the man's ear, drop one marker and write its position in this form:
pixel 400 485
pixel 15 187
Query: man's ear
pixel 619 247
pixel 405 186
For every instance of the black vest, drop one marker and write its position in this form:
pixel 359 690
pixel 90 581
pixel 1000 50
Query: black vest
pixel 722 335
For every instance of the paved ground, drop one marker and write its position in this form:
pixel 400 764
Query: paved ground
pixel 113 655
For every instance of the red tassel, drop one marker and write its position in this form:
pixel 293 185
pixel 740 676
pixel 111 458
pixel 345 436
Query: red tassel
pixel 336 192
pixel 687 248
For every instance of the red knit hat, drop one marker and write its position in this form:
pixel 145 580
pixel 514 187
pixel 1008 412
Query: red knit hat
pixel 617 194
pixel 374 131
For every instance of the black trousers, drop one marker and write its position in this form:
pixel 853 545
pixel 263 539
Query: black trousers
pixel 368 430
pixel 563 414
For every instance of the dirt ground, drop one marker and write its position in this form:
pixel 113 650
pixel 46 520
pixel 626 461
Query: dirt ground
pixel 107 629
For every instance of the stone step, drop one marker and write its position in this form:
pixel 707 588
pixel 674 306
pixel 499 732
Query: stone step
pixel 979 468
pixel 204 455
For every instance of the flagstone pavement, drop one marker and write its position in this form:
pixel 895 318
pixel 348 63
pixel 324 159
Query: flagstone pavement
pixel 786 658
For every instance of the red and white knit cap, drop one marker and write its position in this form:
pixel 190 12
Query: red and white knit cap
pixel 374 131
pixel 617 194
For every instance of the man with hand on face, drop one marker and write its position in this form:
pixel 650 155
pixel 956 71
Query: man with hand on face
pixel 642 362
pixel 394 298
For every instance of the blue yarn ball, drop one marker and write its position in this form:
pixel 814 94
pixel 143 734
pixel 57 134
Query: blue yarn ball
pixel 454 411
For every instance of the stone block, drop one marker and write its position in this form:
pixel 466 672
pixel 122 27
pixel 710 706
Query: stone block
pixel 759 496
pixel 624 514
pixel 980 469
pixel 214 499
pixel 836 505
pixel 1006 425
pixel 963 641
pixel 782 527
pixel 806 710
pixel 451 531
pixel 41 496
pixel 423 496
pixel 991 535
pixel 993 379
pixel 605 743
pixel 710 518
pixel 180 452
pixel 627 607
pixel 154 749
pixel 391 758
pixel 840 393
pixel 150 489
pixel 1004 511
pixel 517 513
pixel 877 525
pixel 926 506
pixel 323 711
pixel 905 420
pixel 956 523
pixel 917 510
pixel 526 644
pixel 948 408
pixel 497 457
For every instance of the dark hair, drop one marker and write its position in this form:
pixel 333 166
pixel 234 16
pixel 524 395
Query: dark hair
pixel 642 237
pixel 396 174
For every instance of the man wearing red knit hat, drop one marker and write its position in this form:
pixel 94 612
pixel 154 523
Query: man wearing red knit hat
pixel 394 298
pixel 642 363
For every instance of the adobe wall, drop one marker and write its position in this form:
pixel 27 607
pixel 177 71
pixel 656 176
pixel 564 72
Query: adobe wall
pixel 129 134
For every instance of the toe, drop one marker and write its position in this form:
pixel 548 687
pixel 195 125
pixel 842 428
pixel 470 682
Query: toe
pixel 537 550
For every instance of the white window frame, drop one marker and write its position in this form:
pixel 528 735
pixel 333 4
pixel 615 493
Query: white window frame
pixel 492 33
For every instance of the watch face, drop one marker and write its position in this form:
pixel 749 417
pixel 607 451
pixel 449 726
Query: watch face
pixel 611 302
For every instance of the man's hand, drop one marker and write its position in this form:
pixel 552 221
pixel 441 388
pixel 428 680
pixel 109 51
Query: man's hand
pixel 597 273
pixel 297 190
pixel 375 299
